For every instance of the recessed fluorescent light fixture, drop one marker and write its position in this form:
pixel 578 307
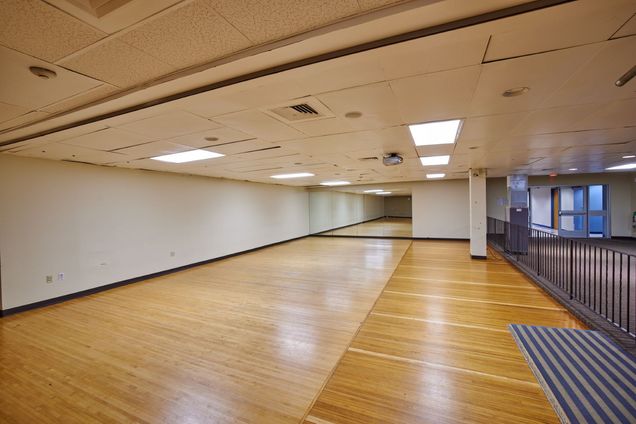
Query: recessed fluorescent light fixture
pixel 296 175
pixel 335 183
pixel 431 133
pixel 383 192
pixel 624 166
pixel 435 160
pixel 189 156
pixel 629 156
pixel 433 176
pixel 573 169
pixel 375 190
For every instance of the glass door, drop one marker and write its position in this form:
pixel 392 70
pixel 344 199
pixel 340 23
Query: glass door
pixel 573 211
pixel 598 221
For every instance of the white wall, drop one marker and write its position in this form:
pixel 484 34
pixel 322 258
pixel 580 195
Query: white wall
pixel 541 205
pixel 399 206
pixel 334 209
pixel 101 225
pixel 441 209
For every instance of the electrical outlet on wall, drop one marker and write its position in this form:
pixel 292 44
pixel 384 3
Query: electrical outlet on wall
pixel 49 279
pixel 60 276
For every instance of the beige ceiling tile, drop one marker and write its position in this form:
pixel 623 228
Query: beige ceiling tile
pixel 107 139
pixel 573 24
pixel 81 99
pixel 168 125
pixel 594 81
pixel 18 86
pixel 559 119
pixel 619 113
pixel 260 125
pixel 117 63
pixel 267 20
pixel 187 36
pixel 374 4
pixel 542 73
pixel 441 95
pixel 39 29
pixel 23 119
pixel 58 151
pixel 8 112
pixel 629 28
pixel 436 53
pixel 491 127
pixel 152 149
pixel 214 137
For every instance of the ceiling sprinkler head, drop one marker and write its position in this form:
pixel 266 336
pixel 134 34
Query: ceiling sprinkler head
pixel 42 72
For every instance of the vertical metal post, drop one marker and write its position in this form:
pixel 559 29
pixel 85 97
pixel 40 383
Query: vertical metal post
pixel 571 289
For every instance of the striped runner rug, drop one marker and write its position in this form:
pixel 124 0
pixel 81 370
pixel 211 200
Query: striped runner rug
pixel 586 377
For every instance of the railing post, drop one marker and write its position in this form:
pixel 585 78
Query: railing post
pixel 571 282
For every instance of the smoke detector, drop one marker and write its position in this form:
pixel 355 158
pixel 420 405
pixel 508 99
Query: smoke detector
pixel 392 159
pixel 42 72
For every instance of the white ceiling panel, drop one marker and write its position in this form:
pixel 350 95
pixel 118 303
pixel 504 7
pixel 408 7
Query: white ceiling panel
pixel 155 148
pixel 614 114
pixel 171 124
pixel 491 127
pixel 569 139
pixel 215 137
pixel 542 73
pixel 18 86
pixel 441 95
pixel 23 119
pixel 107 139
pixel 572 24
pixel 594 82
pixel 257 124
pixel 629 28
pixel 551 120
pixel 58 151
pixel 8 111
pixel 436 53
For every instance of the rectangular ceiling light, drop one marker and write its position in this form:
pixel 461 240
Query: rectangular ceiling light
pixel 296 175
pixel 435 160
pixel 189 156
pixel 433 176
pixel 619 167
pixel 383 192
pixel 373 191
pixel 431 133
pixel 335 183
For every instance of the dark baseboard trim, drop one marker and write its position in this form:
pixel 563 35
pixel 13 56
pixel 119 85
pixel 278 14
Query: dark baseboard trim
pixel 394 216
pixel 60 299
pixel 480 257
pixel 619 238
pixel 583 314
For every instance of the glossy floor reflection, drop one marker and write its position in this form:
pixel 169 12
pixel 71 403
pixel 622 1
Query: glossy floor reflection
pixel 250 339
pixel 383 227
pixel 436 347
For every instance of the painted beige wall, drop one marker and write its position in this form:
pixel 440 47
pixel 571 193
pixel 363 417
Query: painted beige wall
pixel 441 209
pixel 398 206
pixel 622 193
pixel 334 209
pixel 101 225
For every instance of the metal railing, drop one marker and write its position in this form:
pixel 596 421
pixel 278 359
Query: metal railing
pixel 600 278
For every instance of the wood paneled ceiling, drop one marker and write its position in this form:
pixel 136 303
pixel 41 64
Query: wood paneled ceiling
pixel 573 116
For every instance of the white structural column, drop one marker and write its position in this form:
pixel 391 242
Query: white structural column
pixel 478 221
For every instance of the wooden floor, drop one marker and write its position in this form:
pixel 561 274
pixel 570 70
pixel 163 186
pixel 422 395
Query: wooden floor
pixel 304 331
pixel 384 227
pixel 248 339
pixel 436 348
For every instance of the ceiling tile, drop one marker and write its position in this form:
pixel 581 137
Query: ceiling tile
pixel 168 125
pixel 107 139
pixel 629 28
pixel 619 113
pixel 152 149
pixel 58 151
pixel 187 36
pixel 18 86
pixel 117 63
pixel 594 82
pixel 23 119
pixel 263 21
pixel 441 95
pixel 374 4
pixel 436 53
pixel 559 119
pixel 542 73
pixel 8 112
pixel 490 127
pixel 39 29
pixel 572 24
pixel 81 99
pixel 223 136
pixel 255 122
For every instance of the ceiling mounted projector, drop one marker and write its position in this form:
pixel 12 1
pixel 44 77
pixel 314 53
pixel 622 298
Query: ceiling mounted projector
pixel 392 159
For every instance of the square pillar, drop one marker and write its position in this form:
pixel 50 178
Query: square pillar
pixel 478 220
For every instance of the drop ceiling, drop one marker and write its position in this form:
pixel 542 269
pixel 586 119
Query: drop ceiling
pixel 572 115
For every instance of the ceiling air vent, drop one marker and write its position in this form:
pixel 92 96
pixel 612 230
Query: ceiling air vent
pixel 300 110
